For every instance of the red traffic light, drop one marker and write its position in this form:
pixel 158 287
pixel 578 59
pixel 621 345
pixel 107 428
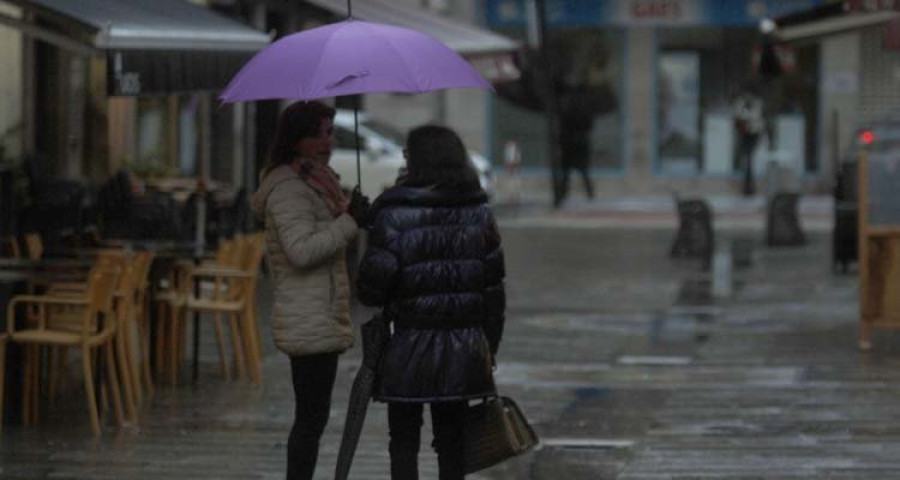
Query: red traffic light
pixel 866 137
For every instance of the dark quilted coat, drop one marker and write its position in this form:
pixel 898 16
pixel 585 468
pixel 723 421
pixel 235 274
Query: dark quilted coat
pixel 434 262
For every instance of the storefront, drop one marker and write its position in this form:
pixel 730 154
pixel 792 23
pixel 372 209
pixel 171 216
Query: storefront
pixel 660 78
pixel 106 84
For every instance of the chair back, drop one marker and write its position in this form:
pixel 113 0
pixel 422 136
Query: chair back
pixel 10 247
pixel 143 264
pixel 253 252
pixel 34 246
pixel 102 282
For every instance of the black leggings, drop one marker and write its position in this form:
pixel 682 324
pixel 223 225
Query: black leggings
pixel 313 378
pixel 405 425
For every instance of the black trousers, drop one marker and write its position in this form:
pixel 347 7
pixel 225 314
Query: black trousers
pixel 746 147
pixel 313 378
pixel 405 425
pixel 584 172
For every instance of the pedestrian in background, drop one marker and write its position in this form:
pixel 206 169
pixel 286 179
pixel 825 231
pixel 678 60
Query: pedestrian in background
pixel 749 124
pixel 575 124
pixel 309 223
pixel 435 264
pixel 512 159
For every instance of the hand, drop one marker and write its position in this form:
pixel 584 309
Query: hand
pixel 359 207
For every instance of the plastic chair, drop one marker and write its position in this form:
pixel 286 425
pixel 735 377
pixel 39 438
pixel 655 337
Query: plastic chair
pixel 97 329
pixel 172 305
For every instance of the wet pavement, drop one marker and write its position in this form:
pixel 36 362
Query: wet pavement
pixel 630 365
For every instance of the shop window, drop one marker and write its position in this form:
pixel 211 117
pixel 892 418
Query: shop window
pixel 678 112
pixel 700 74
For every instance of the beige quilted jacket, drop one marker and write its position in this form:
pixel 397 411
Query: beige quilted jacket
pixel 306 253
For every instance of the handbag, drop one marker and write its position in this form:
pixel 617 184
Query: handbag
pixel 496 430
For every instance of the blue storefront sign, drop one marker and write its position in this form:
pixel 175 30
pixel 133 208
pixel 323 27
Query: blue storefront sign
pixel 577 13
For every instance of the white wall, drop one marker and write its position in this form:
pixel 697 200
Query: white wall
pixel 840 89
pixel 10 83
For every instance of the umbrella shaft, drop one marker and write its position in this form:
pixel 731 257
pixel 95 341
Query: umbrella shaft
pixel 356 134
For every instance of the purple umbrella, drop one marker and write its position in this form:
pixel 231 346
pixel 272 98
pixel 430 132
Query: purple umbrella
pixel 348 58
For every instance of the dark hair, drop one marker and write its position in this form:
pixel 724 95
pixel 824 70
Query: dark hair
pixel 298 121
pixel 437 157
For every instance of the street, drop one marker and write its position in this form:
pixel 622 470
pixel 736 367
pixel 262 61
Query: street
pixel 623 359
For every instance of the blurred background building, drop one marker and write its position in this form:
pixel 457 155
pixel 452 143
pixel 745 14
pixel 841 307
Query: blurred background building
pixel 655 80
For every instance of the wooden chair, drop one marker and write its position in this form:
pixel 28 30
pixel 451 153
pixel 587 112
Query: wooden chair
pixel 9 247
pixel 126 306
pixel 96 303
pixel 172 305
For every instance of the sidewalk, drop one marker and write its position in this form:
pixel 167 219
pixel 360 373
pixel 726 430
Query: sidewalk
pixel 626 362
pixel 730 212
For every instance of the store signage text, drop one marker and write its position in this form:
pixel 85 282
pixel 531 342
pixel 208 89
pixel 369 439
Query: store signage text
pixel 872 5
pixel 656 9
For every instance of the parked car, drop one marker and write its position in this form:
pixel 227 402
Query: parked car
pixel 381 154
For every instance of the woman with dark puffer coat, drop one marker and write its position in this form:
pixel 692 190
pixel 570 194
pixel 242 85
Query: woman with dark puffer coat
pixel 435 264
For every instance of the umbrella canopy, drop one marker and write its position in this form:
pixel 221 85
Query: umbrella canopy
pixel 349 58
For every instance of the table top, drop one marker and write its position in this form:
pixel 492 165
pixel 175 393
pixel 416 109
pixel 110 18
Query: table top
pixel 50 263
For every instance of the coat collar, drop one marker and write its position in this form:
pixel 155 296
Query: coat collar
pixel 427 197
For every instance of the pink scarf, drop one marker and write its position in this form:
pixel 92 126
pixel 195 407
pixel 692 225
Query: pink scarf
pixel 327 183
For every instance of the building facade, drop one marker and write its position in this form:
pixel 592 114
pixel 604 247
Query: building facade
pixel 659 78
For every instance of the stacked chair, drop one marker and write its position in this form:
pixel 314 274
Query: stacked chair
pixel 103 315
pixel 102 312
pixel 95 328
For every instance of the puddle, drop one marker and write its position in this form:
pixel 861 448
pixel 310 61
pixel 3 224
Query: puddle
pixel 586 443
pixel 656 360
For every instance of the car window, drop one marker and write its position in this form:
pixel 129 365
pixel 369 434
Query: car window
pixel 345 139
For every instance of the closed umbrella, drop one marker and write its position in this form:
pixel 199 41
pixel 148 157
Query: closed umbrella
pixel 375 335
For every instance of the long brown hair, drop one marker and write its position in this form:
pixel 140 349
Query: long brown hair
pixel 437 157
pixel 299 120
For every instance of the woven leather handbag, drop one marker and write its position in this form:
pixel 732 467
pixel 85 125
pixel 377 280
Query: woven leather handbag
pixel 496 429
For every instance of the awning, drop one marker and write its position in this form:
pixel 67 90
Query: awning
pixel 831 19
pixel 152 46
pixel 490 52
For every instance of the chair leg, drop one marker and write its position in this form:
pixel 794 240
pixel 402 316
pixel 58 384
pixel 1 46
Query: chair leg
pixel 237 347
pixel 113 383
pixel 144 337
pixel 89 389
pixel 253 362
pixel 255 322
pixel 134 374
pixel 172 357
pixel 53 370
pixel 118 343
pixel 220 341
pixel 2 379
pixel 36 384
pixel 159 367
pixel 253 328
pixel 26 385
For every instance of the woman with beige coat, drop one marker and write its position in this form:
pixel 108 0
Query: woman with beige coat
pixel 309 223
